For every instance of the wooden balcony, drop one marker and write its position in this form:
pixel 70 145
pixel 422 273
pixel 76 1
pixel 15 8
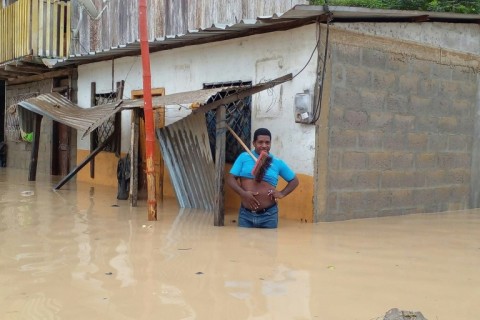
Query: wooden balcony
pixel 38 28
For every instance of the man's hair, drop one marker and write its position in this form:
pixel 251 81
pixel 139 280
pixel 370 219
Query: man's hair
pixel 261 132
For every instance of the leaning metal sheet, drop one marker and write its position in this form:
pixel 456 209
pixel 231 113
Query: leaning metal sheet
pixel 186 151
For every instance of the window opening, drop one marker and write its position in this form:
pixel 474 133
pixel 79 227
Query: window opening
pixel 18 120
pixel 109 127
pixel 238 115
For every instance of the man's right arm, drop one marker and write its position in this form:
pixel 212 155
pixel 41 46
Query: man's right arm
pixel 232 182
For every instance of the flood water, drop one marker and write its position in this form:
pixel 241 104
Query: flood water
pixel 79 253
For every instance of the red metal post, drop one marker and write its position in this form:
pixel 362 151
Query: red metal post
pixel 147 109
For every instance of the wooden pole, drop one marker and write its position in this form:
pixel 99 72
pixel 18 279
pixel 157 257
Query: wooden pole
pixel 134 157
pixel 32 174
pixel 219 210
pixel 90 157
pixel 148 110
pixel 93 134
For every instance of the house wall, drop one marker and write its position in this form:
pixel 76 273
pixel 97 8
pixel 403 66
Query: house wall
pixel 257 59
pixel 19 153
pixel 401 118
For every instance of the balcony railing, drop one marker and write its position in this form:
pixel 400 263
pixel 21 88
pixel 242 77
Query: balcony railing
pixel 35 27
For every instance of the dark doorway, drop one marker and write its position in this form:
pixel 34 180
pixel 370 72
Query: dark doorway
pixel 2 110
pixel 3 146
pixel 61 135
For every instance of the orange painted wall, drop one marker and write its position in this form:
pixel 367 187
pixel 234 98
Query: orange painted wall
pixel 298 205
pixel 105 168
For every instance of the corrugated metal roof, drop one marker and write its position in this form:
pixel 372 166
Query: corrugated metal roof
pixel 295 17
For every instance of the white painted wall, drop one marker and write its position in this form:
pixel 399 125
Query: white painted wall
pixel 455 36
pixel 258 58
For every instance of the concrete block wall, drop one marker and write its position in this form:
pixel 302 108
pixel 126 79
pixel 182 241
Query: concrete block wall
pixel 19 153
pixel 400 134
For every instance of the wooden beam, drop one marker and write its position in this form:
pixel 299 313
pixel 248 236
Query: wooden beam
pixel 24 70
pixel 48 23
pixel 239 95
pixel 61 89
pixel 34 31
pixel 84 163
pixel 93 134
pixel 43 76
pixel 32 173
pixel 219 209
pixel 6 74
pixel 134 157
pixel 54 25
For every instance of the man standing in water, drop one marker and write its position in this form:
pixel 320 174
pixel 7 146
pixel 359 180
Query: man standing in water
pixel 259 199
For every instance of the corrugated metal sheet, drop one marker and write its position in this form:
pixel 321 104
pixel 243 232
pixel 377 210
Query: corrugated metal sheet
pixel 244 24
pixel 57 107
pixel 186 151
pixel 118 23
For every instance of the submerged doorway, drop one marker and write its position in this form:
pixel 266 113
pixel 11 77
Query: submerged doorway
pixel 3 146
pixel 61 134
pixel 2 111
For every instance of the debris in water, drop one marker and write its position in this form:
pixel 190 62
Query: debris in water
pixel 331 267
pixel 115 205
pixel 27 193
pixel 395 314
pixel 199 272
pixel 108 273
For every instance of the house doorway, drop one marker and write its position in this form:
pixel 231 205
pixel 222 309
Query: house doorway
pixel 2 111
pixel 159 122
pixel 61 134
pixel 3 146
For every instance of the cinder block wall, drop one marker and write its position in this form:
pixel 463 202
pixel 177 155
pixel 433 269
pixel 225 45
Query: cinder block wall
pixel 400 134
pixel 19 153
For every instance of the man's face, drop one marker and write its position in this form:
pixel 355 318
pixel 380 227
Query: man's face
pixel 262 144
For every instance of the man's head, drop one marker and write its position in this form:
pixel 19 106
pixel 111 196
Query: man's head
pixel 262 140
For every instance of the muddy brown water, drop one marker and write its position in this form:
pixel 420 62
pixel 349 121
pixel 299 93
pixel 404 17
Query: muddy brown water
pixel 78 253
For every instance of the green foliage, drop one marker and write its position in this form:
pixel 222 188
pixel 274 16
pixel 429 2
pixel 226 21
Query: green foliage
pixel 458 6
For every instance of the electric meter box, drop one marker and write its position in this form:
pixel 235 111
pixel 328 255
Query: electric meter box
pixel 303 107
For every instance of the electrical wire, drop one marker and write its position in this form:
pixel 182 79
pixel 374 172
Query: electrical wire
pixel 311 55
pixel 316 112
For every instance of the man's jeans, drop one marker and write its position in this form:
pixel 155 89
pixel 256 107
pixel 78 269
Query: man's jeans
pixel 268 219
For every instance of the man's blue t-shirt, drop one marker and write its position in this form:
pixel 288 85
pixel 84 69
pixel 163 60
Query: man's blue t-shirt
pixel 244 164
